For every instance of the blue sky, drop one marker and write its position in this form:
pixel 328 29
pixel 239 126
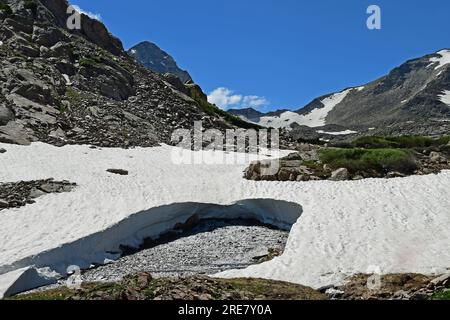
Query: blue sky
pixel 279 53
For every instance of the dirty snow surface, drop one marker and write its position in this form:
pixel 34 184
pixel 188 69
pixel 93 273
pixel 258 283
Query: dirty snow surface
pixel 339 228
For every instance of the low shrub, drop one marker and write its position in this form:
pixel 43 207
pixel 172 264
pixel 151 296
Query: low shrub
pixel 443 295
pixel 90 61
pixel 381 160
pixel 402 142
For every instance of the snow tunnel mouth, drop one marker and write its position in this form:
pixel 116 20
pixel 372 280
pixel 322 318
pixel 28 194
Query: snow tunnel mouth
pixel 108 245
pixel 197 247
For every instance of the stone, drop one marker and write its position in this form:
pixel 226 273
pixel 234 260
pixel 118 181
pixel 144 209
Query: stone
pixel 437 157
pixel 36 193
pixel 4 204
pixel 6 115
pixel 395 174
pixel 303 177
pixel 293 156
pixel 443 280
pixel 118 171
pixel 2 150
pixel 341 174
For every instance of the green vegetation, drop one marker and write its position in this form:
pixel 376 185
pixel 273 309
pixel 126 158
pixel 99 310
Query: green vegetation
pixel 312 164
pixel 6 9
pixel 381 160
pixel 403 142
pixel 73 96
pixel 443 295
pixel 90 61
pixel 212 110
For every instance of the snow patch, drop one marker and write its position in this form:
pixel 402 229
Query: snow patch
pixel 67 79
pixel 315 118
pixel 340 133
pixel 445 97
pixel 442 61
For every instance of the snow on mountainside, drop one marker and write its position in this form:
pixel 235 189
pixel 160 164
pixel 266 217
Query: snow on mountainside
pixel 316 118
pixel 443 60
pixel 285 119
pixel 445 97
pixel 411 99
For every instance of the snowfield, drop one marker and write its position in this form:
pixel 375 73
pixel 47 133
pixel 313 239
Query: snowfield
pixel 340 133
pixel 443 60
pixel 445 97
pixel 316 118
pixel 339 228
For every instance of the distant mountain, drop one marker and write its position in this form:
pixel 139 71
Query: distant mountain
pixel 412 99
pixel 151 56
pixel 248 114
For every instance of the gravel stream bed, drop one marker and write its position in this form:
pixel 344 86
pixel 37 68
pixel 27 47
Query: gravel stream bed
pixel 211 246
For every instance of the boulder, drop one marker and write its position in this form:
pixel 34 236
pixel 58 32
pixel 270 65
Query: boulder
pixel 437 157
pixel 341 174
pixel 4 204
pixel 395 174
pixel 61 50
pixel 442 281
pixel 48 37
pixel 6 115
pixel 118 171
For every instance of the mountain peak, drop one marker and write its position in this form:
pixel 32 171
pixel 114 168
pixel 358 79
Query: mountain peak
pixel 154 58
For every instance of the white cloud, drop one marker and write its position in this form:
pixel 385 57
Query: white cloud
pixel 226 99
pixel 254 102
pixel 96 16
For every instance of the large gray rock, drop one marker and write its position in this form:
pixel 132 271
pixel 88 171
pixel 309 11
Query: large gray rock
pixel 6 115
pixel 48 37
pixel 437 157
pixel 341 174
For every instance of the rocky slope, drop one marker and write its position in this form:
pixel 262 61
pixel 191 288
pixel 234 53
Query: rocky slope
pixel 65 86
pixel 411 99
pixel 152 57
